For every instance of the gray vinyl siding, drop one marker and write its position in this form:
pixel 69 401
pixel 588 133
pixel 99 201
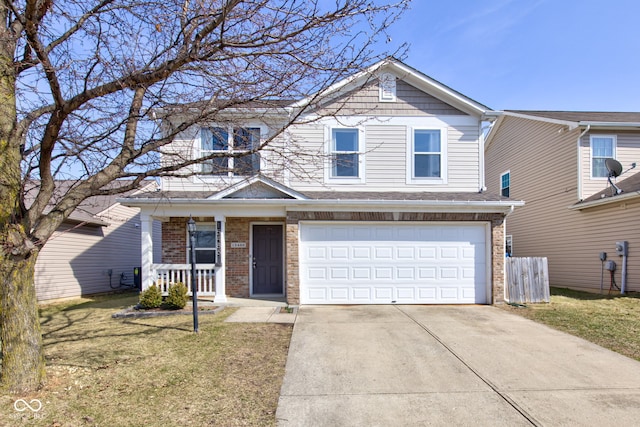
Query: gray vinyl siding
pixel 410 101
pixel 385 160
pixel 74 262
pixel 307 156
pixel 627 152
pixel 542 161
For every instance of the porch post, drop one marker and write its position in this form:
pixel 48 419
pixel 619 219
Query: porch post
pixel 221 292
pixel 146 248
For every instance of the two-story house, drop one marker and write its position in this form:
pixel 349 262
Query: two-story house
pixel 556 162
pixel 373 196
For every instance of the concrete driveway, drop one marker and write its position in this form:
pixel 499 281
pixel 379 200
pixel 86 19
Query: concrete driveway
pixel 449 365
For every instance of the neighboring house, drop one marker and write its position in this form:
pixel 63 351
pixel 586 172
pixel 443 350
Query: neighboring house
pixel 555 162
pixel 99 237
pixel 380 202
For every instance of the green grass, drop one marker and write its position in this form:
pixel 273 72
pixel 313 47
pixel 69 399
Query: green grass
pixel 153 371
pixel 609 321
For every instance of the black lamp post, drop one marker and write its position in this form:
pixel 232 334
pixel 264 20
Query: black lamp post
pixel 191 226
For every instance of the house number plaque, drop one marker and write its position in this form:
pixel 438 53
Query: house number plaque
pixel 238 245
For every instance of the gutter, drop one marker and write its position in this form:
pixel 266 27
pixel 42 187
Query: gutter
pixel 604 201
pixel 337 204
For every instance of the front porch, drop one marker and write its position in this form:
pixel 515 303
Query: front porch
pixel 164 275
pixel 240 254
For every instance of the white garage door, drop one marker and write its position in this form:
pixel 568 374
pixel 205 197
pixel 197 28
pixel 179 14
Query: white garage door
pixel 376 263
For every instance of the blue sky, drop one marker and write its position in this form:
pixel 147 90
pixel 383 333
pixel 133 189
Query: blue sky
pixel 529 54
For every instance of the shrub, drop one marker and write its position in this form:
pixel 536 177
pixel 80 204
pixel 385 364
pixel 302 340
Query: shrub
pixel 177 297
pixel 150 297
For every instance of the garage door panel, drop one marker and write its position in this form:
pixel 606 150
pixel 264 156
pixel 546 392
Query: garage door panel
pixel 397 263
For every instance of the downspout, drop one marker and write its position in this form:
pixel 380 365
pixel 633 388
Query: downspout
pixel 481 165
pixel 580 162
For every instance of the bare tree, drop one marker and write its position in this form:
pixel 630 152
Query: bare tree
pixel 78 80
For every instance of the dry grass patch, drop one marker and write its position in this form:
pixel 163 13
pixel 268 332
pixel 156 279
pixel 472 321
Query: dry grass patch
pixel 154 371
pixel 609 321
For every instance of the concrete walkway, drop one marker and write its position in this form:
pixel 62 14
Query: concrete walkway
pixel 445 365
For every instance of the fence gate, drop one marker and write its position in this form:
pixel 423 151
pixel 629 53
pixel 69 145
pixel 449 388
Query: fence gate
pixel 527 280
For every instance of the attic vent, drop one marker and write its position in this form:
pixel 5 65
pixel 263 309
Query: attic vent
pixel 387 85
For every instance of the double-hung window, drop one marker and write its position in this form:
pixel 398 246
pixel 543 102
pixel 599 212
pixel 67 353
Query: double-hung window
pixel 603 147
pixel 427 156
pixel 205 244
pixel 505 183
pixel 215 141
pixel 345 153
pixel 231 147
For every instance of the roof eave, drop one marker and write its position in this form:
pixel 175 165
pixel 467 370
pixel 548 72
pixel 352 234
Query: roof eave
pixel 340 204
pixel 604 201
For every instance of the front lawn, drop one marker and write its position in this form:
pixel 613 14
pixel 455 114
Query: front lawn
pixel 153 371
pixel 609 321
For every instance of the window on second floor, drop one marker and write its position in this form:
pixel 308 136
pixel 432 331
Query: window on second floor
pixel 603 147
pixel 505 183
pixel 345 153
pixel 228 141
pixel 427 157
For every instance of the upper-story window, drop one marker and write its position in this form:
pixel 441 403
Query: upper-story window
pixel 505 183
pixel 427 156
pixel 602 147
pixel 227 141
pixel 345 154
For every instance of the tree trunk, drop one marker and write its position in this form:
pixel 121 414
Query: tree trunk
pixel 23 367
pixel 20 337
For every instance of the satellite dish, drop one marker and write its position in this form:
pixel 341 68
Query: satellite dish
pixel 615 170
pixel 614 167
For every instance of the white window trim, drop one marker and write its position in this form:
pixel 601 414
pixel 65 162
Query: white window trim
pixel 500 182
pixel 328 168
pixel 200 224
pixel 444 142
pixel 615 147
pixel 198 148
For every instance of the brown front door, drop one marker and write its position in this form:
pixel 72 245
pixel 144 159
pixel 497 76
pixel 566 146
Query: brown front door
pixel 268 266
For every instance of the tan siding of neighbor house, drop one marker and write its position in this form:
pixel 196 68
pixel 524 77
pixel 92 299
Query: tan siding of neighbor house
pixel 410 101
pixel 542 161
pixel 76 259
pixel 627 152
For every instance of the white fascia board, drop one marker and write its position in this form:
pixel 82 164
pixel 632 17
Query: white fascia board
pixel 605 201
pixel 439 90
pixel 572 125
pixel 339 86
pixel 610 124
pixel 247 205
pixel 256 178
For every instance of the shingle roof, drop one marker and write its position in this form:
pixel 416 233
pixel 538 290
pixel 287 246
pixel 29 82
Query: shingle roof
pixel 584 116
pixel 627 185
pixel 87 209
pixel 344 195
pixel 399 196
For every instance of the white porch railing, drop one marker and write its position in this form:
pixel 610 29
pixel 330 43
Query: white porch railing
pixel 165 274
